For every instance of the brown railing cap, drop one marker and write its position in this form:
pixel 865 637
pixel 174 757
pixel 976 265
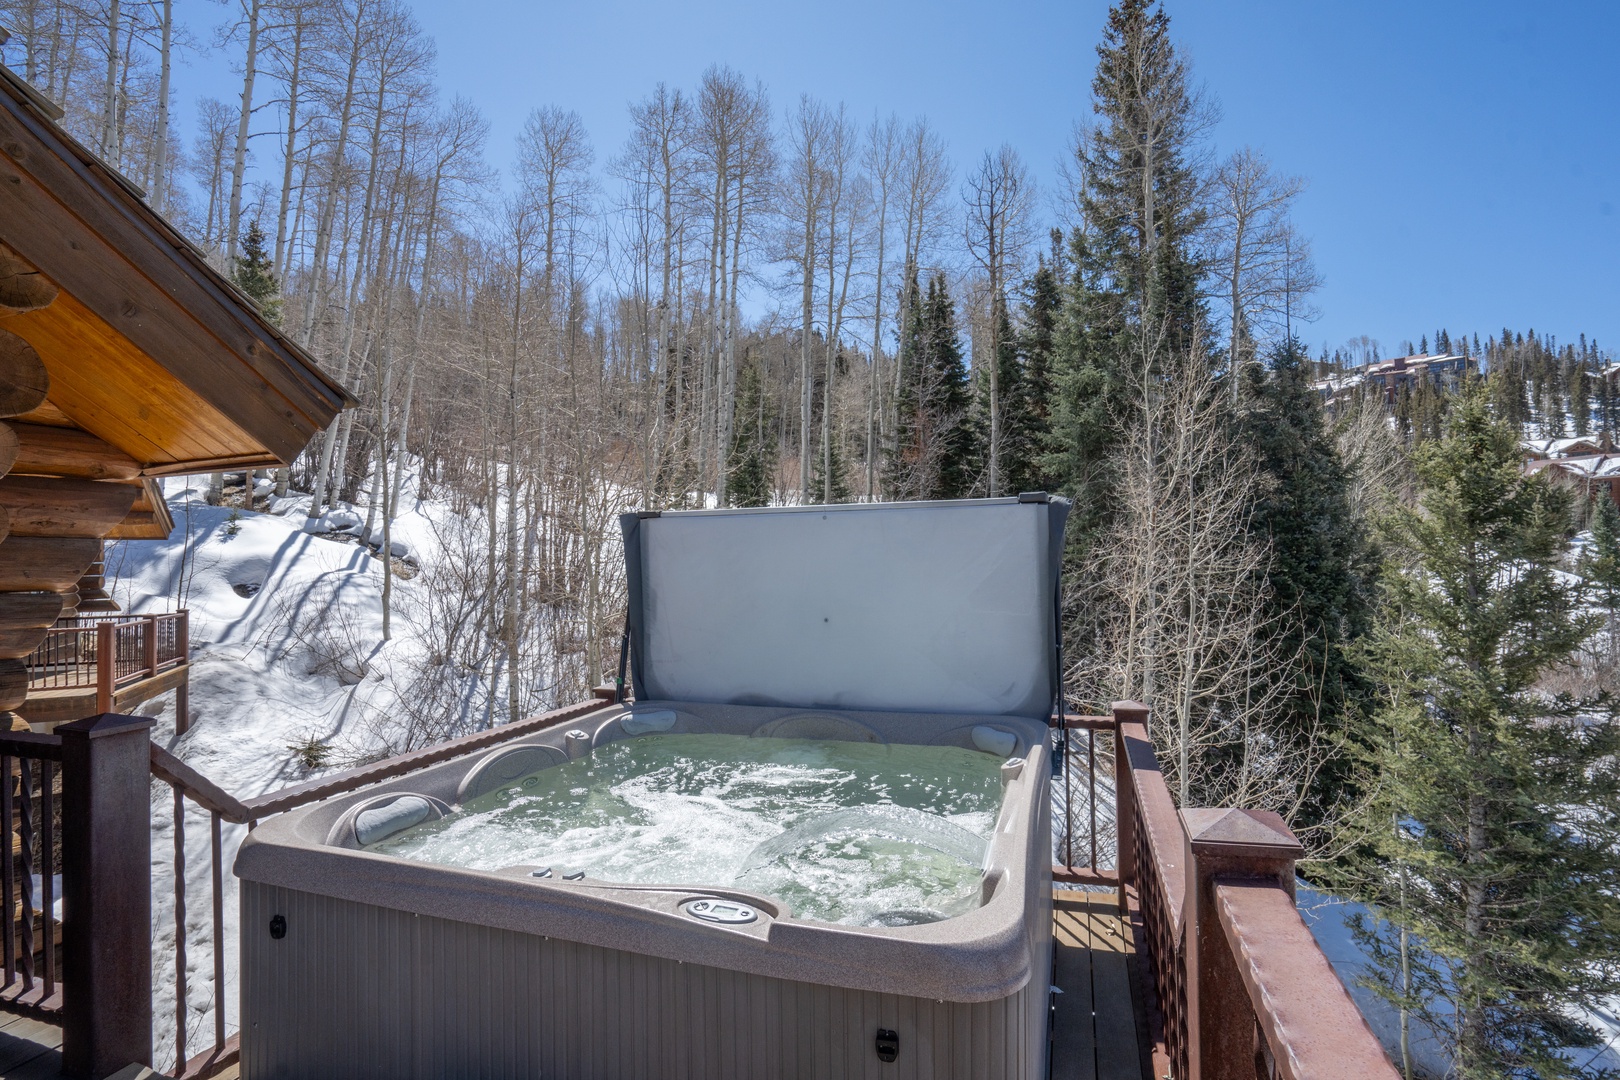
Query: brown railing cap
pixel 106 724
pixel 1228 831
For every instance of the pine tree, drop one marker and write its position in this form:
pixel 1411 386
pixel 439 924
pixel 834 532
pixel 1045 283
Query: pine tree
pixel 1600 569
pixel 1491 840
pixel 1022 431
pixel 1320 566
pixel 753 452
pixel 935 449
pixel 1133 298
pixel 252 273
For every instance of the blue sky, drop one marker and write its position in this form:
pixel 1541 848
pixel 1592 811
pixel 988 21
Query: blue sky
pixel 1462 157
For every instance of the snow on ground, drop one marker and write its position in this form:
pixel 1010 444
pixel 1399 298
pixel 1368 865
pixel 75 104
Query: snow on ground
pixel 258 589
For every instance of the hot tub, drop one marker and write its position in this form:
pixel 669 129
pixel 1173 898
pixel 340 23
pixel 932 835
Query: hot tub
pixel 362 957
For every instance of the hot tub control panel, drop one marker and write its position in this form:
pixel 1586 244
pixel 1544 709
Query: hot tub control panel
pixel 711 909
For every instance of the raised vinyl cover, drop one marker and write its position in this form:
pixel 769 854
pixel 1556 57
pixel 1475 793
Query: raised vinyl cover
pixel 916 607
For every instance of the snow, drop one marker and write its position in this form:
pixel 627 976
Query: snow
pixel 256 689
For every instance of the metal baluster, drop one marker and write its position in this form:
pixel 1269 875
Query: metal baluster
pixel 1068 797
pixel 219 938
pixel 47 880
pixel 8 871
pixel 1091 779
pixel 26 796
pixel 179 929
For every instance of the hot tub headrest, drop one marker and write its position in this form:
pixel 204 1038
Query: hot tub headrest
pixel 377 819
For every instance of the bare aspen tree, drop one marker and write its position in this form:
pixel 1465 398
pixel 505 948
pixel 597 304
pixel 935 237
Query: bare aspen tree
pixel 110 106
pixel 843 217
pixel 999 197
pixel 882 160
pixel 660 151
pixel 250 27
pixel 160 138
pixel 925 176
pixel 1259 262
pixel 804 193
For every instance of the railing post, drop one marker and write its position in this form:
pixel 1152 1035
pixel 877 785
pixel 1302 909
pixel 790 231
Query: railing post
pixel 106 664
pixel 106 897
pixel 1125 712
pixel 150 659
pixel 1246 844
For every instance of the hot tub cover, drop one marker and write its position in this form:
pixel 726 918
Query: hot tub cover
pixel 916 607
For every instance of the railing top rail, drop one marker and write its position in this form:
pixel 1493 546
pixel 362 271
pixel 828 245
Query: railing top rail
pixel 1166 835
pixel 1312 1027
pixel 1095 723
pixel 170 769
pixel 31 744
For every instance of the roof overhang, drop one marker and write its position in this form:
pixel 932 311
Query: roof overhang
pixel 146 345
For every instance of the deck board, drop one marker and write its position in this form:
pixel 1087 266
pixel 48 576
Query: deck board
pixel 1094 1031
pixel 29 1048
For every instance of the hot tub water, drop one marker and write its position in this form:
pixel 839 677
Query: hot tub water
pixel 854 833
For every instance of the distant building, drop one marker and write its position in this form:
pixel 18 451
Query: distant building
pixel 1444 372
pixel 1590 474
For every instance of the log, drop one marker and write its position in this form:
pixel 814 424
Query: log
pixel 22 287
pixel 60 451
pixel 29 609
pixel 13 684
pixel 70 602
pixel 24 382
pixel 50 563
pixel 52 506
pixel 18 643
pixel 5 523
pixel 8 448
pixel 25 617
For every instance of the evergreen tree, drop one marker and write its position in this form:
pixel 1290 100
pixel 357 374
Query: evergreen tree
pixel 251 272
pixel 1491 841
pixel 1022 432
pixel 1600 569
pixel 1320 570
pixel 934 449
pixel 753 451
pixel 1133 298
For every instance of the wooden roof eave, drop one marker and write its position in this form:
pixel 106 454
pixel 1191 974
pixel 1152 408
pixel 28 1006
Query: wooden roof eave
pixel 93 199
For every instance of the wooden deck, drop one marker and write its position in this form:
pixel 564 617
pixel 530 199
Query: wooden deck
pixel 1098 1032
pixel 48 706
pixel 29 1049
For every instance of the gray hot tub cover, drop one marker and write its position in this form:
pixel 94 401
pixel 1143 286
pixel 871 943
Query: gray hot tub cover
pixel 917 607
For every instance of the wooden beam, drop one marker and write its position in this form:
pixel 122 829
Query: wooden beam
pixel 23 380
pixel 24 620
pixel 30 563
pixel 29 608
pixel 59 451
pixel 52 506
pixel 13 684
pixel 22 287
pixel 18 643
pixel 5 523
pixel 8 448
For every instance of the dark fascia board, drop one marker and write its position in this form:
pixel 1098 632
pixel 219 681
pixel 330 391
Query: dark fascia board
pixel 282 363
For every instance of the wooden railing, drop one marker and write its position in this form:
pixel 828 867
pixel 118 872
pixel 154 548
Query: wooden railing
pixel 221 807
pixel 1234 985
pixel 108 651
pixel 76 805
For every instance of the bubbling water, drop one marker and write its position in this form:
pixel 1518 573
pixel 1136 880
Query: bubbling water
pixel 855 833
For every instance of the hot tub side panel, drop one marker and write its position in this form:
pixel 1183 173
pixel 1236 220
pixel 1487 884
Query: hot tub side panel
pixel 363 991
